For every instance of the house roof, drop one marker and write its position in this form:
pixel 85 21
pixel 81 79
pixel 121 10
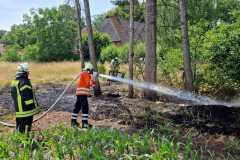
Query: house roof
pixel 118 29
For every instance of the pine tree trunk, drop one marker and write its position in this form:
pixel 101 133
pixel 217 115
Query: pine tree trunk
pixel 188 76
pixel 97 88
pixel 131 54
pixel 150 58
pixel 79 46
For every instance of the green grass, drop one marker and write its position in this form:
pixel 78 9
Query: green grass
pixel 68 143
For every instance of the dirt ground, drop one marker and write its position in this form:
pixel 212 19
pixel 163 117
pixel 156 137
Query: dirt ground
pixel 213 126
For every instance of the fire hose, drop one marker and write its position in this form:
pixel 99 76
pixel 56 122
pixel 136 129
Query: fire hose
pixel 50 108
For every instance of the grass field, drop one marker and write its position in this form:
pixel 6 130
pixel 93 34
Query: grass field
pixel 54 72
pixel 41 73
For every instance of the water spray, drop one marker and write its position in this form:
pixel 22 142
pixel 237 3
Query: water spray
pixel 184 95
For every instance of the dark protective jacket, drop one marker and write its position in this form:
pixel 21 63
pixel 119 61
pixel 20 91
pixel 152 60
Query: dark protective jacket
pixel 24 100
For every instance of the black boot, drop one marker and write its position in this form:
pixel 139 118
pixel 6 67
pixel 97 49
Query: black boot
pixel 74 123
pixel 85 124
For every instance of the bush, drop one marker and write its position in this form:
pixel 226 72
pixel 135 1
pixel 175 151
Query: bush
pixel 30 53
pixel 109 52
pixel 219 66
pixel 101 40
pixel 123 53
pixel 11 54
pixel 112 51
pixel 225 50
pixel 170 67
pixel 172 61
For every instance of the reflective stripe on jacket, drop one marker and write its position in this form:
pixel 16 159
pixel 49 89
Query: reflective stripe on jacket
pixel 84 83
pixel 25 102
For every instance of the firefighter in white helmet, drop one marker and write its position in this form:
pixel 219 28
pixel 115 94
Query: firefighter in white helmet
pixel 25 102
pixel 84 83
pixel 115 64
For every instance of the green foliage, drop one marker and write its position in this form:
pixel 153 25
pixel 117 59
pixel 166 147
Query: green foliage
pixel 30 53
pixel 46 34
pixel 224 44
pixel 171 67
pixel 70 143
pixel 213 33
pixel 113 51
pixel 55 32
pixel 220 57
pixel 109 52
pixel 21 35
pixel 167 65
pixel 2 33
pixel 212 10
pixel 139 50
pixel 11 54
pixel 123 53
pixel 101 40
pixel 98 21
pixel 139 56
pixel 122 10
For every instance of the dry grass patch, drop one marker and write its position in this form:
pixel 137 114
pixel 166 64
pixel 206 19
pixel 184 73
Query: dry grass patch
pixel 54 72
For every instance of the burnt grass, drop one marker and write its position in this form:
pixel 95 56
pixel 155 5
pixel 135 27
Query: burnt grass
pixel 113 104
pixel 213 119
pixel 209 118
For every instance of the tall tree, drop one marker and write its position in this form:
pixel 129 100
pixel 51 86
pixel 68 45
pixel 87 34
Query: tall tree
pixel 188 80
pixel 97 88
pixel 79 46
pixel 131 54
pixel 150 58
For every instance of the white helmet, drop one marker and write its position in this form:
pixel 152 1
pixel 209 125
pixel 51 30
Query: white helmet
pixel 88 66
pixel 22 68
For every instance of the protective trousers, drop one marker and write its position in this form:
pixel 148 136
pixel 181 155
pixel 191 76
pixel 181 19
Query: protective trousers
pixel 81 104
pixel 24 125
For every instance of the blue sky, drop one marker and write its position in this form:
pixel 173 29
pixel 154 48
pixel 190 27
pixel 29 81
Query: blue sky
pixel 11 11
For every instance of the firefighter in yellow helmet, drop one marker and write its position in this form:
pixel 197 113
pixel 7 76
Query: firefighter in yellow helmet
pixel 25 103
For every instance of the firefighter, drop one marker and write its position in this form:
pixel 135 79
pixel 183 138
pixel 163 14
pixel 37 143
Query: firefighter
pixel 86 81
pixel 115 66
pixel 25 103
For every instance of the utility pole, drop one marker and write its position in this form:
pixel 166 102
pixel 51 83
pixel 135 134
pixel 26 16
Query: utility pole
pixel 188 83
pixel 97 88
pixel 131 54
pixel 79 46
